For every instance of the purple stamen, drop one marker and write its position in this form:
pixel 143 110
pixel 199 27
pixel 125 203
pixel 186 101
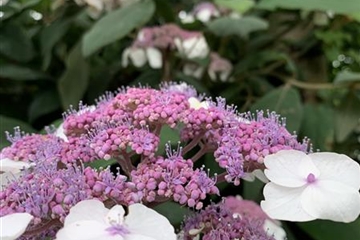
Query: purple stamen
pixel 311 178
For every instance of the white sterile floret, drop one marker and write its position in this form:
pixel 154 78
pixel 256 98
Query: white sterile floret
pixel 154 57
pixel 192 47
pixel 10 169
pixel 90 220
pixel 196 104
pixel 305 187
pixel 14 225
pixel 274 230
pixel 60 133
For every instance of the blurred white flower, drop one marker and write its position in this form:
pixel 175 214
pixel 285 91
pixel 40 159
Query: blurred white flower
pixel 205 11
pixel 192 47
pixel 154 57
pixel 316 186
pixel 140 56
pixel 196 104
pixel 274 230
pixel 90 220
pixel 10 169
pixel 219 68
pixel 14 225
pixel 194 70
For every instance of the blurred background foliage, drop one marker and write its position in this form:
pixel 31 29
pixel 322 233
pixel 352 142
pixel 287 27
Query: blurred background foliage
pixel 300 58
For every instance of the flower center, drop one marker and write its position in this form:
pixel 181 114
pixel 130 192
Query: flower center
pixel 118 229
pixel 311 178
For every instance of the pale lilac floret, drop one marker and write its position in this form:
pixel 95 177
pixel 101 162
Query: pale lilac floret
pixel 217 221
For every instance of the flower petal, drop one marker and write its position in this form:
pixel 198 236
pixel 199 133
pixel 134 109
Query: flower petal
pixel 337 167
pixel 14 225
pixel 289 168
pixel 284 203
pixel 154 57
pixel 115 215
pixel 274 230
pixel 86 230
pixel 331 200
pixel 60 133
pixel 8 165
pixel 92 209
pixel 145 221
pixel 138 57
pixel 138 237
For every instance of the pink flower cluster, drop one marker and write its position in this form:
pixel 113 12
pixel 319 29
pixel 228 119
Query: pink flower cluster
pixel 174 177
pixel 127 127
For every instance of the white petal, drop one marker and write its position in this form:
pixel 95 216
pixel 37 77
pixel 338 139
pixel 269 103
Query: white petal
pixel 86 230
pixel 8 165
pixel 115 215
pixel 331 200
pixel 204 15
pixel 14 225
pixel 92 209
pixel 96 4
pixel 337 167
pixel 125 57
pixel 138 237
pixel 179 45
pixel 259 174
pixel 274 230
pixel 187 19
pixel 145 221
pixel 289 168
pixel 224 75
pixel 138 57
pixel 284 203
pixel 60 133
pixel 195 47
pixel 154 57
pixel 212 74
pixel 6 177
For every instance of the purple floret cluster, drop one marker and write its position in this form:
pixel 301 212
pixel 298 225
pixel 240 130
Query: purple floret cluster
pixel 126 128
pixel 219 221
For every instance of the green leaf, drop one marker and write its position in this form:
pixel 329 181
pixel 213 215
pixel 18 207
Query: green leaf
pixel 252 190
pixel 44 103
pixel 164 9
pixel 347 116
pixel 167 134
pixel 150 77
pixel 328 230
pixel 73 83
pixel 174 212
pixel 347 76
pixel 101 163
pixel 241 6
pixel 286 102
pixel 336 6
pixel 8 124
pixel 50 36
pixel 16 72
pixel 242 27
pixel 318 125
pixel 15 43
pixel 116 25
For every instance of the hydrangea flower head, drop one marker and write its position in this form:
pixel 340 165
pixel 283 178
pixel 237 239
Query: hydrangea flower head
pixel 90 220
pixel 316 186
